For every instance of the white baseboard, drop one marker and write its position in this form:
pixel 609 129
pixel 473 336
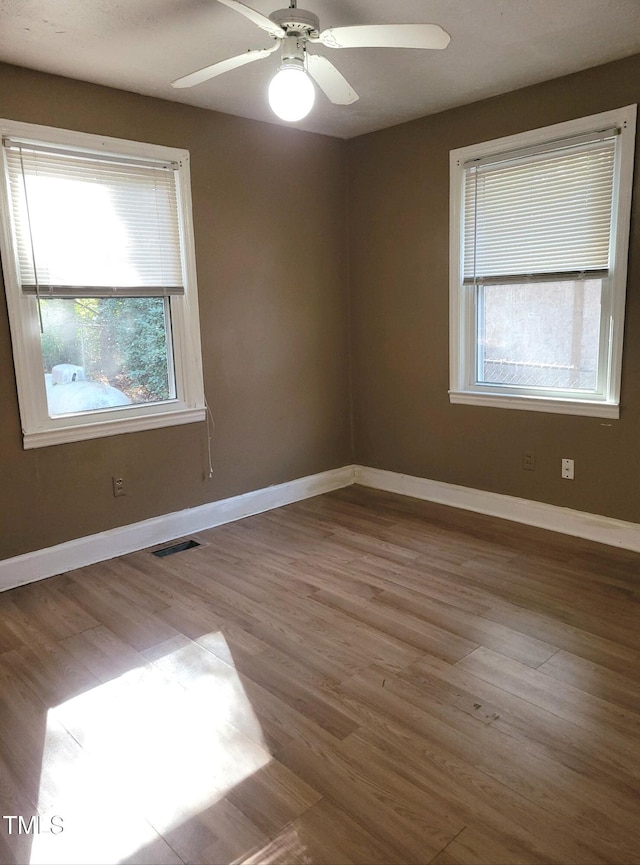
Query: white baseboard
pixel 118 542
pixel 603 530
pixel 128 539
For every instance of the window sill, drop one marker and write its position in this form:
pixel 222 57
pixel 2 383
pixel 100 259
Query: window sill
pixel 71 432
pixel 588 408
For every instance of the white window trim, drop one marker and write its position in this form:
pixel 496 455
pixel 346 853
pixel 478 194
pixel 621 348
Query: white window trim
pixel 38 428
pixel 462 337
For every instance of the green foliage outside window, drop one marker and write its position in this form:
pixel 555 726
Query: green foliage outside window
pixel 119 341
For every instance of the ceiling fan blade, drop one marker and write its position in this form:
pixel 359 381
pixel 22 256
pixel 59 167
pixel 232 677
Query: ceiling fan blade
pixel 208 72
pixel 332 82
pixel 385 36
pixel 257 17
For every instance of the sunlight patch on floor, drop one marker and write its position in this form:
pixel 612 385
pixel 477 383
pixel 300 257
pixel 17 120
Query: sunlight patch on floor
pixel 287 849
pixel 152 749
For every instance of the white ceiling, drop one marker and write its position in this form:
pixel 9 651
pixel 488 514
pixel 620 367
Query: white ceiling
pixel 496 46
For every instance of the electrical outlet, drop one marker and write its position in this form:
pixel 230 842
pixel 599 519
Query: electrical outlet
pixel 528 460
pixel 567 469
pixel 119 488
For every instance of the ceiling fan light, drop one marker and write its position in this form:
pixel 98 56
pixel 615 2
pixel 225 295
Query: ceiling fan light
pixel 291 92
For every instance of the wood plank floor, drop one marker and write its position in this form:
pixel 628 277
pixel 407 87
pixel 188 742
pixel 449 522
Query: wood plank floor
pixel 358 678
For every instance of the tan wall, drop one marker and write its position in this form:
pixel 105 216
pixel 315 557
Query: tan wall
pixel 398 239
pixel 270 219
pixel 273 280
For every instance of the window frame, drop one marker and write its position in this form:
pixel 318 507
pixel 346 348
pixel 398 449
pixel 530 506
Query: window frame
pixel 40 430
pixel 463 326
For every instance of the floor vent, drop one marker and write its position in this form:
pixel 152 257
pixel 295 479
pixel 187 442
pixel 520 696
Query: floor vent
pixel 176 548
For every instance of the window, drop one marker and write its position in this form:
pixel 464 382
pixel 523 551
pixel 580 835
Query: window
pixel 539 245
pixel 99 267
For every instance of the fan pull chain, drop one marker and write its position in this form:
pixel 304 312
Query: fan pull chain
pixel 211 427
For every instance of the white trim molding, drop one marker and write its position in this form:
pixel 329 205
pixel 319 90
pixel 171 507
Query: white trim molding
pixel 592 527
pixel 470 209
pixel 121 541
pixel 537 403
pixel 186 403
pixel 138 536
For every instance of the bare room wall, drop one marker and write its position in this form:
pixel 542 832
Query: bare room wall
pixel 398 240
pixel 272 277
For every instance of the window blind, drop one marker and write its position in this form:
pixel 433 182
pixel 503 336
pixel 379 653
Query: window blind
pixel 544 214
pixel 90 225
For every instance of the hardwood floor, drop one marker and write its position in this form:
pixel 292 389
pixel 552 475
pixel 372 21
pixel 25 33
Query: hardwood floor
pixel 357 678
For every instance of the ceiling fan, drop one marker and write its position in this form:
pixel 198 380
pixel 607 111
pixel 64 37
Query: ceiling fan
pixel 291 92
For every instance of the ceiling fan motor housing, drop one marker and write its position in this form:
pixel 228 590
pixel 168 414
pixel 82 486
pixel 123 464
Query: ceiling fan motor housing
pixel 293 49
pixel 297 22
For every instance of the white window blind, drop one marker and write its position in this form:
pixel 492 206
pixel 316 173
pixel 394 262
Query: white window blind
pixel 90 225
pixel 544 213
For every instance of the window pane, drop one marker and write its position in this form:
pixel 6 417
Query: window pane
pixel 540 334
pixel 103 352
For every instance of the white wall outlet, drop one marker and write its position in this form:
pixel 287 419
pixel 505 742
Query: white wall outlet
pixel 567 469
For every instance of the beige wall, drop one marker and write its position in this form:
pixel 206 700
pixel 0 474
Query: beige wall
pixel 398 239
pixel 270 230
pixel 274 281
